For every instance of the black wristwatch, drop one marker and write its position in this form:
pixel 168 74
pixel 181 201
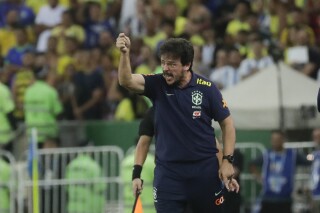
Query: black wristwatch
pixel 230 158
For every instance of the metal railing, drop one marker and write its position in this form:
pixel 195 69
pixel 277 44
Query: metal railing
pixel 74 180
pixel 8 182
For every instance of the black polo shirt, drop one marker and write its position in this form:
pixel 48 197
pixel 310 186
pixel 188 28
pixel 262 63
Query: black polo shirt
pixel 183 118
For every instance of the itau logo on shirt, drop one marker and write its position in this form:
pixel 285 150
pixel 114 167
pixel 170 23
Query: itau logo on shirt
pixel 196 97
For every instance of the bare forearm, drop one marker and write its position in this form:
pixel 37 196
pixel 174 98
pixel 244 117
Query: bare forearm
pixel 142 150
pixel 124 72
pixel 228 137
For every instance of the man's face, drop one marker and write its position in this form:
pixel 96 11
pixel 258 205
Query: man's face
pixel 277 141
pixel 173 71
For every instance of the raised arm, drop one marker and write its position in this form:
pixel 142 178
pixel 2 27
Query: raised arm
pixel 132 82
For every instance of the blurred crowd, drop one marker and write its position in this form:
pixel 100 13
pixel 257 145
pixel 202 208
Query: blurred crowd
pixel 70 45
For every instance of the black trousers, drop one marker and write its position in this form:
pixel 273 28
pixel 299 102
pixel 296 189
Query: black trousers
pixel 232 202
pixel 276 207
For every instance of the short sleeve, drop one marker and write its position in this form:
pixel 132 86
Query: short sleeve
pixel 146 126
pixel 152 85
pixel 219 108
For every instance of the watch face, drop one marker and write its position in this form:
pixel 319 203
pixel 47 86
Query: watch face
pixel 230 158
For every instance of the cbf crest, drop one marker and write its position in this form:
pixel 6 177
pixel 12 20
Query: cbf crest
pixel 197 97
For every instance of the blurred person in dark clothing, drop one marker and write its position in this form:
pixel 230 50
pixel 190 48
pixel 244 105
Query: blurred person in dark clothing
pixel 95 24
pixel 311 65
pixel 89 91
pixel 278 167
pixel 232 202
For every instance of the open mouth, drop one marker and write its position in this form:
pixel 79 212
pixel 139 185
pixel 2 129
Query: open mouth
pixel 168 76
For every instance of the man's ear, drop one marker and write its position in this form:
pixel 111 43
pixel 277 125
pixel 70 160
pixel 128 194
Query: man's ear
pixel 187 67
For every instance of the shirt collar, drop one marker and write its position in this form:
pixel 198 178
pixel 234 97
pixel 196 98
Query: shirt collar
pixel 193 81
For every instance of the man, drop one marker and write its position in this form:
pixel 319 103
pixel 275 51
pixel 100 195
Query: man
pixel 141 156
pixel 42 107
pixel 85 197
pixel 187 169
pixel 315 172
pixel 278 168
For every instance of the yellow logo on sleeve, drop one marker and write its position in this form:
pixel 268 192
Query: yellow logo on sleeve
pixel 203 82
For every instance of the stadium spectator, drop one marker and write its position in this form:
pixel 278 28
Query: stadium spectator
pixel 200 16
pixel 22 79
pixel 94 24
pixel 60 62
pixel 278 167
pixel 223 15
pixel 153 36
pixel 210 47
pixel 42 106
pixel 26 14
pixel 177 83
pixel 36 5
pixel 89 89
pixel 126 12
pixel 220 60
pixel 239 22
pixel 148 61
pixel 260 60
pixel 255 27
pixel 199 67
pixel 7 36
pixel 313 9
pixel 66 89
pixel 171 12
pixel 107 46
pixel 135 25
pixel 241 42
pixel 15 54
pixel 67 28
pixel 298 18
pixel 49 16
pixel 228 76
pixel 307 61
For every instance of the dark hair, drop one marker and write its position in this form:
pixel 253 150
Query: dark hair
pixel 178 48
pixel 167 21
pixel 279 132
